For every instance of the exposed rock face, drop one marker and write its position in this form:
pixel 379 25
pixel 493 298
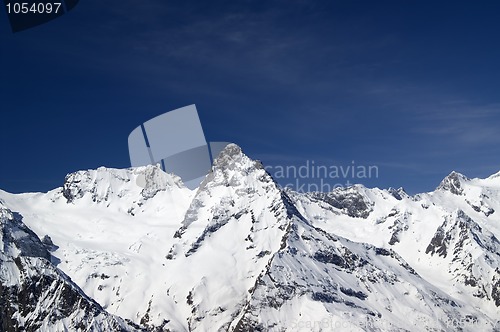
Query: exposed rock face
pixel 453 183
pixel 106 185
pixel 459 237
pixel 348 200
pixel 242 254
pixel 35 295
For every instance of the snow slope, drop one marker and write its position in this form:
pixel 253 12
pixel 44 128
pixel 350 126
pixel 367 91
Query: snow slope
pixel 35 295
pixel 240 253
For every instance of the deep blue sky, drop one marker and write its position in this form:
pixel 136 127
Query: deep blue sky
pixel 409 86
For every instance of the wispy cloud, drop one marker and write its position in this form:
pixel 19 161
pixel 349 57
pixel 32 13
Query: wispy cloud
pixel 462 122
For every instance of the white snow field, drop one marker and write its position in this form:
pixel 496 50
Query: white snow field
pixel 242 254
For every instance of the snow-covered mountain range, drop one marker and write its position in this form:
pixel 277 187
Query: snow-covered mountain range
pixel 134 249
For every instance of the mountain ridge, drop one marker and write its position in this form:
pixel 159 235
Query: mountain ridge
pixel 241 253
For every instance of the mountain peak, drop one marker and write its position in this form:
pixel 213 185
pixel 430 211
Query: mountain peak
pixel 241 253
pixel 231 156
pixel 453 183
pixel 399 193
pixel 231 167
pixel 104 184
pixel 231 149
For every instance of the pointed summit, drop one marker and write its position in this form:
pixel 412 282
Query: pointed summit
pixel 232 168
pixel 398 194
pixel 453 183
pixel 232 156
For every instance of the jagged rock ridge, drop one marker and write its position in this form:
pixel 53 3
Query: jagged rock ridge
pixel 240 253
